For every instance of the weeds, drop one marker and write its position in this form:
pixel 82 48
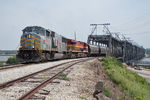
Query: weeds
pixel 62 74
pixel 122 98
pixel 130 82
pixel 107 92
pixel 66 78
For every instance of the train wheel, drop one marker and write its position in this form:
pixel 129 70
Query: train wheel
pixel 43 58
pixel 52 55
pixel 47 56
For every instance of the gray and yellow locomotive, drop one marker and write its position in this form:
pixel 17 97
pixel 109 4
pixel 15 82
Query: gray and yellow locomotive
pixel 39 44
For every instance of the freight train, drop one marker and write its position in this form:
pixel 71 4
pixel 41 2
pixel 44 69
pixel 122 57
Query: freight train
pixel 40 44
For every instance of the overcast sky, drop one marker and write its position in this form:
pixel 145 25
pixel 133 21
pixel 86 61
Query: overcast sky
pixel 130 17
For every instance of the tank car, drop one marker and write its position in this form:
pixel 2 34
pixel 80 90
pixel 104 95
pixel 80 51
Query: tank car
pixel 103 51
pixel 94 50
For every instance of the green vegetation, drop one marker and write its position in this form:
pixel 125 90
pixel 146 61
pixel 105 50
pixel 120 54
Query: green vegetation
pixel 1 64
pixel 130 82
pixel 66 78
pixel 122 98
pixel 107 92
pixel 12 60
pixel 81 97
pixel 62 74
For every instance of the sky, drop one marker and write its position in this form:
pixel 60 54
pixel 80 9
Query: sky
pixel 66 17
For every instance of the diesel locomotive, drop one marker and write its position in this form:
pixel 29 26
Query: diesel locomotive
pixel 40 44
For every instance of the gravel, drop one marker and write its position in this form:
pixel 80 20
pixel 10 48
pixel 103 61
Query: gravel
pixel 12 74
pixel 77 88
pixel 81 85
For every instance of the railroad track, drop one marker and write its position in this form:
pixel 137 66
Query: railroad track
pixel 12 66
pixel 7 67
pixel 27 87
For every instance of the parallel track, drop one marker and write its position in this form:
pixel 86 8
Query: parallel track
pixel 7 67
pixel 2 68
pixel 36 75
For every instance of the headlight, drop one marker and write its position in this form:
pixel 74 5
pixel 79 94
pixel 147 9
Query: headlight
pixel 29 36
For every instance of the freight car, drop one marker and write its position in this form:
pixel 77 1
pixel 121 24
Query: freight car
pixel 95 50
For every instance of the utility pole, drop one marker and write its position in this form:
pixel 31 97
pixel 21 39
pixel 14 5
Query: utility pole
pixel 75 35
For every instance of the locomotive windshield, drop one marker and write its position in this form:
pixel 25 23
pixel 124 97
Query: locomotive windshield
pixel 38 30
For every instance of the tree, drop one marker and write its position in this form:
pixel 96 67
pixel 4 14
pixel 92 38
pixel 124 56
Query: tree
pixel 12 60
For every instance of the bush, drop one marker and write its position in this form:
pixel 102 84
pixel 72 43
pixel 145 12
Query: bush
pixel 130 82
pixel 12 60
pixel 1 64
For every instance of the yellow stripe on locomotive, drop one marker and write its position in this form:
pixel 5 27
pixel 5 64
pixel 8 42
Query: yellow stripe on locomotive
pixel 30 42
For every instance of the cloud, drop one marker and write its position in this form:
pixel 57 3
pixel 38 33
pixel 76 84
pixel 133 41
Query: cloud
pixel 67 16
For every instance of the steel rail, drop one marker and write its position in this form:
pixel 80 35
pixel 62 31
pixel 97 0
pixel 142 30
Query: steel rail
pixel 7 67
pixel 11 66
pixel 9 83
pixel 43 84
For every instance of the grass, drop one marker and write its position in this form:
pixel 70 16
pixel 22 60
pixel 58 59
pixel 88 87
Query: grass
pixel 66 78
pixel 130 82
pixel 107 92
pixel 63 75
pixel 122 98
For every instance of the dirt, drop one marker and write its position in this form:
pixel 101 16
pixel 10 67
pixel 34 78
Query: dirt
pixel 81 85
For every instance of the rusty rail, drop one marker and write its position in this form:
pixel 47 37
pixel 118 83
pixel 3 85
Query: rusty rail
pixel 10 66
pixel 6 84
pixel 43 84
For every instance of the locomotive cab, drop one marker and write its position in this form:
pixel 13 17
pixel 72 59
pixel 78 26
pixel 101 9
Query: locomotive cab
pixel 30 38
pixel 30 44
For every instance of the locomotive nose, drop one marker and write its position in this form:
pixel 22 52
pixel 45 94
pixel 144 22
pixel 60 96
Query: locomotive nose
pixel 30 41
